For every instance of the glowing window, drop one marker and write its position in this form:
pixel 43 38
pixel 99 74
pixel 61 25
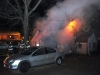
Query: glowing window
pixel 4 36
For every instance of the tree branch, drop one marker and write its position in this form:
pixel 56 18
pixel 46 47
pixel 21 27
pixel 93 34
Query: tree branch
pixel 9 17
pixel 6 23
pixel 24 1
pixel 33 15
pixel 14 24
pixel 13 7
pixel 28 3
pixel 20 13
pixel 35 7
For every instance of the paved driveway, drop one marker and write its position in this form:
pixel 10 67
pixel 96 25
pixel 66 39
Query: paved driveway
pixel 72 65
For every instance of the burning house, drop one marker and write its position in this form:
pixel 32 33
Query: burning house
pixel 63 39
pixel 57 29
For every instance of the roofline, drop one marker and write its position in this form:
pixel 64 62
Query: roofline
pixel 81 43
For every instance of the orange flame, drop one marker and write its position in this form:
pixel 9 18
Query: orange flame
pixel 67 32
pixel 72 25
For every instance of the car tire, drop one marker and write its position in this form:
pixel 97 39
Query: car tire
pixel 58 61
pixel 24 67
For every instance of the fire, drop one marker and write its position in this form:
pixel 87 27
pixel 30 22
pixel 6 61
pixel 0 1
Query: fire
pixel 36 40
pixel 67 33
pixel 71 28
pixel 62 35
pixel 72 25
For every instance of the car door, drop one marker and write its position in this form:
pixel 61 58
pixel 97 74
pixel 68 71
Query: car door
pixel 39 57
pixel 51 54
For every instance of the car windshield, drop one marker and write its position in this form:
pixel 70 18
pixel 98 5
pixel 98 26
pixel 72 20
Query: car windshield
pixel 29 51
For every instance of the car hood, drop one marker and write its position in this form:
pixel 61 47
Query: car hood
pixel 16 56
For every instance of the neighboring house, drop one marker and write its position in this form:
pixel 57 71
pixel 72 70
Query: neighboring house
pixel 98 46
pixel 86 44
pixel 7 36
pixel 10 35
pixel 97 33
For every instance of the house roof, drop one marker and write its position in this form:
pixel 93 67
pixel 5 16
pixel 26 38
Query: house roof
pixel 9 32
pixel 96 32
pixel 83 38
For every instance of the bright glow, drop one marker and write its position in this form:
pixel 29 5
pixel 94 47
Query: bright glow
pixel 16 62
pixel 37 44
pixel 10 36
pixel 71 26
pixel 35 41
pixel 66 35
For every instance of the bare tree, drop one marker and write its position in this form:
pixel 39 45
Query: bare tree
pixel 19 10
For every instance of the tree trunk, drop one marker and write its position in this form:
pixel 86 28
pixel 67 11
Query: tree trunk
pixel 26 28
pixel 26 16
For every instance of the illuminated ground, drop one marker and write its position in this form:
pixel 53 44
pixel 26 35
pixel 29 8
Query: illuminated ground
pixel 72 65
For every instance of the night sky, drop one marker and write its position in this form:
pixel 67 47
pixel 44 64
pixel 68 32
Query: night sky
pixel 6 24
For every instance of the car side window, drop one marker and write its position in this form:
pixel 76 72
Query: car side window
pixel 40 51
pixel 50 50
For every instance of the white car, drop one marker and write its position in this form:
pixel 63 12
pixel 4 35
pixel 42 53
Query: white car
pixel 33 56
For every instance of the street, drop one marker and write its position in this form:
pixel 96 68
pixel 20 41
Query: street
pixel 72 65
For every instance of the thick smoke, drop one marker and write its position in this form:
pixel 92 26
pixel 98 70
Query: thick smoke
pixel 52 26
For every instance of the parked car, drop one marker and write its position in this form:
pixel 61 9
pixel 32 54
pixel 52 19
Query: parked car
pixel 3 47
pixel 33 56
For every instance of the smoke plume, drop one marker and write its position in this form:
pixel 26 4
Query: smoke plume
pixel 52 26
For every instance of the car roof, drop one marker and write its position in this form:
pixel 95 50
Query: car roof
pixel 42 47
pixel 37 47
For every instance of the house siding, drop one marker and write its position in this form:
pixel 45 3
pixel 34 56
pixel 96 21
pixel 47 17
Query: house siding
pixel 92 40
pixel 83 49
pixel 89 46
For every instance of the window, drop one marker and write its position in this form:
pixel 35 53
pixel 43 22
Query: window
pixel 4 36
pixel 40 52
pixel 28 51
pixel 50 50
pixel 16 37
pixel 80 46
pixel 0 36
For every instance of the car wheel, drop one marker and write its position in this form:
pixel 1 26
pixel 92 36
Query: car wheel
pixel 58 61
pixel 24 67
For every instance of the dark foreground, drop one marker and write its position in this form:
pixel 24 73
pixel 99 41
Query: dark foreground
pixel 72 65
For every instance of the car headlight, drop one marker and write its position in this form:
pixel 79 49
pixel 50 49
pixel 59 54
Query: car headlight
pixel 16 62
